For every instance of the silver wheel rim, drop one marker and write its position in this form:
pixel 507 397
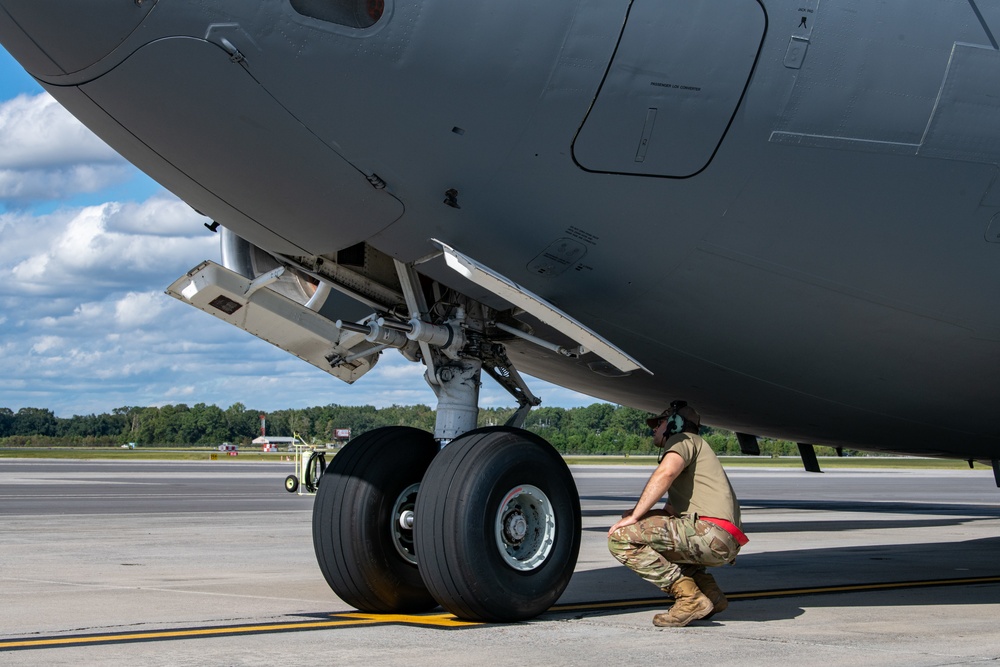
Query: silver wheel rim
pixel 525 527
pixel 401 523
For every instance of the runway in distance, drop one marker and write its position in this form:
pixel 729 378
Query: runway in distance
pixel 785 213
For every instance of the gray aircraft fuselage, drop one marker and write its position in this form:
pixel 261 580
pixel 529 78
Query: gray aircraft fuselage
pixel 789 212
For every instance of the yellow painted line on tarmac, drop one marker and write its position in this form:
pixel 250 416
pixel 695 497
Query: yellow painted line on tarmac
pixel 434 620
pixel 444 621
pixel 340 621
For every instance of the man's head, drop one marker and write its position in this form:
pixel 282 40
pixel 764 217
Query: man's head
pixel 678 418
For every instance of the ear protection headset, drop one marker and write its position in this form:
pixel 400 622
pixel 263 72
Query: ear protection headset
pixel 675 423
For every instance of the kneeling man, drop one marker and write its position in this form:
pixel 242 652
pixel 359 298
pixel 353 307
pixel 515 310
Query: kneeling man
pixel 699 527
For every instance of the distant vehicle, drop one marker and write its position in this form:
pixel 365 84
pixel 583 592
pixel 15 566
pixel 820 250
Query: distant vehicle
pixel 271 443
pixel 228 447
pixel 130 445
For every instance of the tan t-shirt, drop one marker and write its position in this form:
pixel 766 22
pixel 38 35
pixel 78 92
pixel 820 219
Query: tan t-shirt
pixel 702 488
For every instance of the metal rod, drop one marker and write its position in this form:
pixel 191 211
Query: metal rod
pixel 366 353
pixel 395 325
pixel 534 339
pixel 351 326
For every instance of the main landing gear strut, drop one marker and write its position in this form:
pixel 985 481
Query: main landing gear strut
pixel 483 522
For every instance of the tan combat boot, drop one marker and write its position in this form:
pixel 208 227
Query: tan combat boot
pixel 690 604
pixel 706 583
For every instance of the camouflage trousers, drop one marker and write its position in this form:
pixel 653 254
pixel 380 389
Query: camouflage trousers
pixel 661 548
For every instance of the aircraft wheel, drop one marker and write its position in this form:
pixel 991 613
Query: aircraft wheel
pixel 291 484
pixel 362 520
pixel 498 526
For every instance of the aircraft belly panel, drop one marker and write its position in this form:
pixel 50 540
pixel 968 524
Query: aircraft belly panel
pixel 672 88
pixel 74 34
pixel 190 103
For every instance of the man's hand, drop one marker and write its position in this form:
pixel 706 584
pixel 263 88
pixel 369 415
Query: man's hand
pixel 627 520
pixel 657 487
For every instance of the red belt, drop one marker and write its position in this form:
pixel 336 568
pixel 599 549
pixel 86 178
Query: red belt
pixel 730 528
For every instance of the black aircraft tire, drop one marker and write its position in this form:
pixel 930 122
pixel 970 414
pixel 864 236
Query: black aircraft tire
pixel 353 530
pixel 481 482
pixel 291 484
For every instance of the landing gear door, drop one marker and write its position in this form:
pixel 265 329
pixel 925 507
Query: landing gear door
pixel 673 87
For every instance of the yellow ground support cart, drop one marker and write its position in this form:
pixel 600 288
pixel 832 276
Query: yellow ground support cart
pixel 310 464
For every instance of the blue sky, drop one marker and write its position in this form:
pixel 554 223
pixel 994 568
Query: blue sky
pixel 84 324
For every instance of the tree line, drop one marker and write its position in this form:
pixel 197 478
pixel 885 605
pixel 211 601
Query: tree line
pixel 600 428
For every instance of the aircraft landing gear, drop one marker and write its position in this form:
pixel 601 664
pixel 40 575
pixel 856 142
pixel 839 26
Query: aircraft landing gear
pixel 489 527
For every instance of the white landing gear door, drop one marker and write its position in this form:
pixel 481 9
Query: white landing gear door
pixel 540 308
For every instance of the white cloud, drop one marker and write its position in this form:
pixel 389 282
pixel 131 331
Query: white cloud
pixel 47 343
pixel 38 133
pixel 180 393
pixel 24 234
pixel 396 372
pixel 136 309
pixel 37 185
pixel 159 216
pixel 82 252
pixel 46 154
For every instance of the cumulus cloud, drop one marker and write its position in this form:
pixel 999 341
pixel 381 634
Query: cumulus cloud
pixel 138 309
pixel 36 132
pixel 36 184
pixel 159 216
pixel 46 343
pixel 397 372
pixel 81 250
pixel 19 187
pixel 46 154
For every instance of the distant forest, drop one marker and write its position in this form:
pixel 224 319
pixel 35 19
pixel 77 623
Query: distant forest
pixel 600 428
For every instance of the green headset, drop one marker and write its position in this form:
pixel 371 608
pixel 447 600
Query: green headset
pixel 675 422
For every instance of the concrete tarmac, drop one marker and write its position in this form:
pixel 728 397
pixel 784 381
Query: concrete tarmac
pixel 212 564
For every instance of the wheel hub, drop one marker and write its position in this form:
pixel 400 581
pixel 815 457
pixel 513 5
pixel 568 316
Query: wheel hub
pixel 401 523
pixel 525 528
pixel 515 527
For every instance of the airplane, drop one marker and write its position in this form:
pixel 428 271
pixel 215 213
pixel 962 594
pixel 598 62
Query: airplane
pixel 785 213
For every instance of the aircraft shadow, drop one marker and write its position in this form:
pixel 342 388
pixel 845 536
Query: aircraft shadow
pixel 781 584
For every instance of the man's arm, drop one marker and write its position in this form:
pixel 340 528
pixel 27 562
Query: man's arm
pixel 657 487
